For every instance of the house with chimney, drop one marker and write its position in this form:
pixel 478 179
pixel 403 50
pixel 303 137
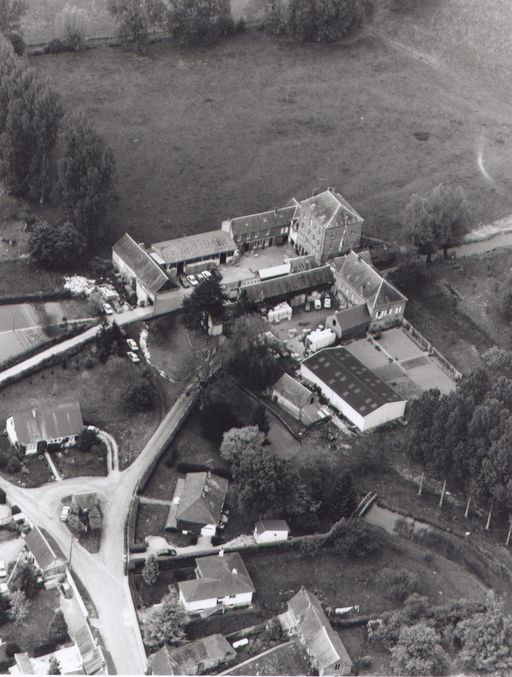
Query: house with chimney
pixel 32 430
pixel 306 620
pixel 260 230
pixel 325 226
pixel 197 503
pixel 222 581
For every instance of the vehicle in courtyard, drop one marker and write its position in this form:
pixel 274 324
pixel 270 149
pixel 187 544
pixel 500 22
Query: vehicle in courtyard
pixel 64 513
pixel 107 309
pixel 193 280
pixel 133 357
pixel 132 345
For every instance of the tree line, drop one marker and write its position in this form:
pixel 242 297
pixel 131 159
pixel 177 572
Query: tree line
pixel 465 437
pixel 48 155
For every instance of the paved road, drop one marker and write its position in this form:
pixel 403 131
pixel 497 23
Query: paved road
pixel 103 573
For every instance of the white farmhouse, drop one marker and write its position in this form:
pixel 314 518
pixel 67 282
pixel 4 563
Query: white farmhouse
pixel 59 423
pixel 351 388
pixel 222 581
pixel 271 531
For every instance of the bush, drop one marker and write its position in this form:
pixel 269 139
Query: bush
pixel 399 583
pixel 355 539
pixel 58 631
pixel 71 25
pixel 86 439
pixel 15 510
pixel 17 42
pixel 3 497
pixel 43 649
pixel 11 648
pixel 13 465
pixel 141 397
pixel 56 46
pixel 4 459
pixel 419 652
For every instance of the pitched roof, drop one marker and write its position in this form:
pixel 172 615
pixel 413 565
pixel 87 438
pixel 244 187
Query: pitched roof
pixel 275 218
pixel 92 656
pixel 211 243
pixel 322 642
pixel 42 551
pixel 271 525
pixel 350 379
pixel 330 209
pixel 198 499
pixel 295 283
pixel 24 664
pixel 185 660
pixel 143 265
pixel 86 501
pixel 219 576
pixel 366 281
pixel 293 391
pixel 352 317
pixel 61 419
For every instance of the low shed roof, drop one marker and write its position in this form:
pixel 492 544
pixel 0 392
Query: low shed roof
pixel 296 283
pixel 191 247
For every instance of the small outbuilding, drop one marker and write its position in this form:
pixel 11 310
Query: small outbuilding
pixel 193 658
pixel 271 531
pixel 350 322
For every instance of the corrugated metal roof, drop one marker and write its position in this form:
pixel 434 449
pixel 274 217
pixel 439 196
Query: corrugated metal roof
pixel 350 379
pixel 46 423
pixel 139 260
pixel 290 284
pixel 182 249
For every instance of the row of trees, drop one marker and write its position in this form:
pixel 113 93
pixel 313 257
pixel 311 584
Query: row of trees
pixel 48 155
pixel 466 436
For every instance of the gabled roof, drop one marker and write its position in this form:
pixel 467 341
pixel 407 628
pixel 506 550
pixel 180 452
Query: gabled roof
pixel 218 576
pixel 352 317
pixel 366 281
pixel 293 391
pixel 350 379
pixel 330 209
pixel 85 500
pixel 42 551
pixel 295 283
pixel 322 642
pixel 61 419
pixel 271 525
pixel 210 243
pixel 143 265
pixel 92 656
pixel 199 499
pixel 186 659
pixel 275 218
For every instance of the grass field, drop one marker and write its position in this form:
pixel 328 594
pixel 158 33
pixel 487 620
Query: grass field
pixel 201 135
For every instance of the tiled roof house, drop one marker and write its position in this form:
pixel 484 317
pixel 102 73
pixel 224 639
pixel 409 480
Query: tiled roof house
pixel 197 503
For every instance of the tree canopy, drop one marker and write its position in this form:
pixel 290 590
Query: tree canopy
pixel 136 19
pixel 164 624
pixel 11 12
pixel 325 20
pixel 56 246
pixel 419 652
pixel 206 299
pixel 436 221
pixel 197 22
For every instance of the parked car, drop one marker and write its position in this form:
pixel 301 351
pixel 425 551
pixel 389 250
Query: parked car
pixel 185 282
pixel 318 304
pixel 3 570
pixel 64 513
pixel 166 552
pixel 193 280
pixel 65 588
pixel 4 588
pixel 133 357
pixel 327 302
pixel 107 309
pixel 132 345
pixel 207 275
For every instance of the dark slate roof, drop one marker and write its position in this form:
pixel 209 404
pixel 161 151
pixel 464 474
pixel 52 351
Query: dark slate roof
pixel 186 659
pixel 200 499
pixel 61 419
pixel 352 317
pixel 330 209
pixel 296 283
pixel 293 391
pixel 366 281
pixel 42 551
pixel 275 218
pixel 322 642
pixel 143 265
pixel 211 243
pixel 218 576
pixel 271 525
pixel 350 379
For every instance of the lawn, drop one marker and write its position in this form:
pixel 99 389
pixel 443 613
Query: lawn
pixel 151 519
pixel 75 463
pixel 152 594
pixel 101 390
pixel 34 630
pixel 356 108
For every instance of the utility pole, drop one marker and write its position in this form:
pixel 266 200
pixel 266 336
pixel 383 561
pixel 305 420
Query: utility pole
pixel 420 489
pixel 487 526
pixel 441 500
pixel 467 507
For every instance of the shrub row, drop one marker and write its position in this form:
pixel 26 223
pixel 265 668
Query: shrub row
pixel 36 297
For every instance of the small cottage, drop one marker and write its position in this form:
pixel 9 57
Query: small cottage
pixel 271 531
pixel 193 658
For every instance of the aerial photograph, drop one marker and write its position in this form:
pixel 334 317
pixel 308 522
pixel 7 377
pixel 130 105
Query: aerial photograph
pixel 256 337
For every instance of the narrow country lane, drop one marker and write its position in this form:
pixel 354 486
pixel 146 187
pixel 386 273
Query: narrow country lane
pixel 102 574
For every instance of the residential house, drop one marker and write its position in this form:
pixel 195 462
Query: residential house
pixel 193 658
pixel 358 283
pixel 289 287
pixel 325 225
pixel 351 388
pixel 349 322
pixel 222 581
pixel 140 269
pixel 31 430
pixel 195 253
pixel 260 230
pixel 306 620
pixel 69 658
pixel 292 396
pixel 197 503
pixel 44 556
pixel 271 531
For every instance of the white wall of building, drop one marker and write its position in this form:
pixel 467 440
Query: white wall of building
pixel 271 536
pixel 242 599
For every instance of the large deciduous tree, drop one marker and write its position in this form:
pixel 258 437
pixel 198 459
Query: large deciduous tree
pixel 164 624
pixel 11 12
pixel 56 246
pixel 486 642
pixel 436 221
pixel 86 174
pixel 206 299
pixel 58 630
pixel 197 22
pixel 326 20
pixel 419 652
pixel 136 19
pixel 237 441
